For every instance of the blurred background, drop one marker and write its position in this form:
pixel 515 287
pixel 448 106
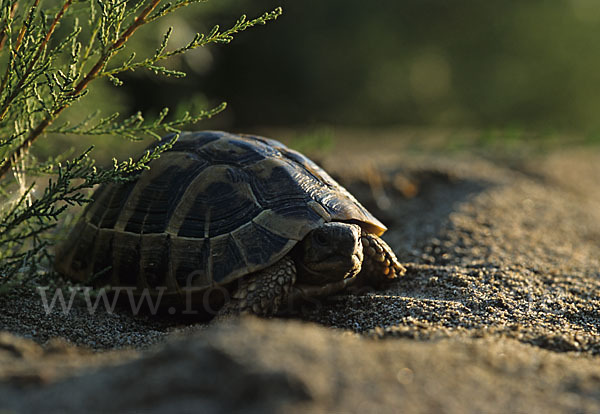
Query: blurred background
pixel 518 67
pixel 417 62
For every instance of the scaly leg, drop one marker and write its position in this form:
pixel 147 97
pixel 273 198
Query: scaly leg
pixel 263 292
pixel 380 265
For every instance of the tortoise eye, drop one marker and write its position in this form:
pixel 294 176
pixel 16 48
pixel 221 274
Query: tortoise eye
pixel 320 238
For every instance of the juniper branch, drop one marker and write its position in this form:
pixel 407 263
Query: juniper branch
pixel 200 40
pixel 20 85
pixel 11 15
pixel 20 36
pixel 25 25
pixel 134 126
pixel 92 74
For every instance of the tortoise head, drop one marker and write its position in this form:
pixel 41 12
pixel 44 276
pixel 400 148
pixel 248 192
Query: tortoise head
pixel 329 253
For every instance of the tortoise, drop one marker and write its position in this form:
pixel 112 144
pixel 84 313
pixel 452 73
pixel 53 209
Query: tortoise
pixel 244 214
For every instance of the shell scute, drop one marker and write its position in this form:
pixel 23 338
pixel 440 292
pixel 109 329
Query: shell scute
pixel 111 206
pixel 190 263
pixel 227 258
pixel 150 205
pixel 217 202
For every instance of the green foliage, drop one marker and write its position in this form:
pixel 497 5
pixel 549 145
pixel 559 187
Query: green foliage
pixel 50 54
pixel 315 140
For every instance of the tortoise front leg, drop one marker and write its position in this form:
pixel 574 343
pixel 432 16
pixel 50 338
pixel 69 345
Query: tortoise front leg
pixel 263 292
pixel 380 265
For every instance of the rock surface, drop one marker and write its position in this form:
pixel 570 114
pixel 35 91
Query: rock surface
pixel 499 312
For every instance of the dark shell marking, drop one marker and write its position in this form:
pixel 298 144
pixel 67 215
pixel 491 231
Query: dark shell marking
pixel 213 208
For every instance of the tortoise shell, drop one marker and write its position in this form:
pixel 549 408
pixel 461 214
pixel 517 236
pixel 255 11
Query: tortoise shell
pixel 213 208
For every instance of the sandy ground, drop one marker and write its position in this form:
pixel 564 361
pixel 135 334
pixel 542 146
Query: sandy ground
pixel 499 311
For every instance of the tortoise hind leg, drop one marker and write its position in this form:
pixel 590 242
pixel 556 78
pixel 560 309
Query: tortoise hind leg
pixel 380 265
pixel 263 292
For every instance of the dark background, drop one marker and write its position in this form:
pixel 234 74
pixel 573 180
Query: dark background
pixel 462 63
